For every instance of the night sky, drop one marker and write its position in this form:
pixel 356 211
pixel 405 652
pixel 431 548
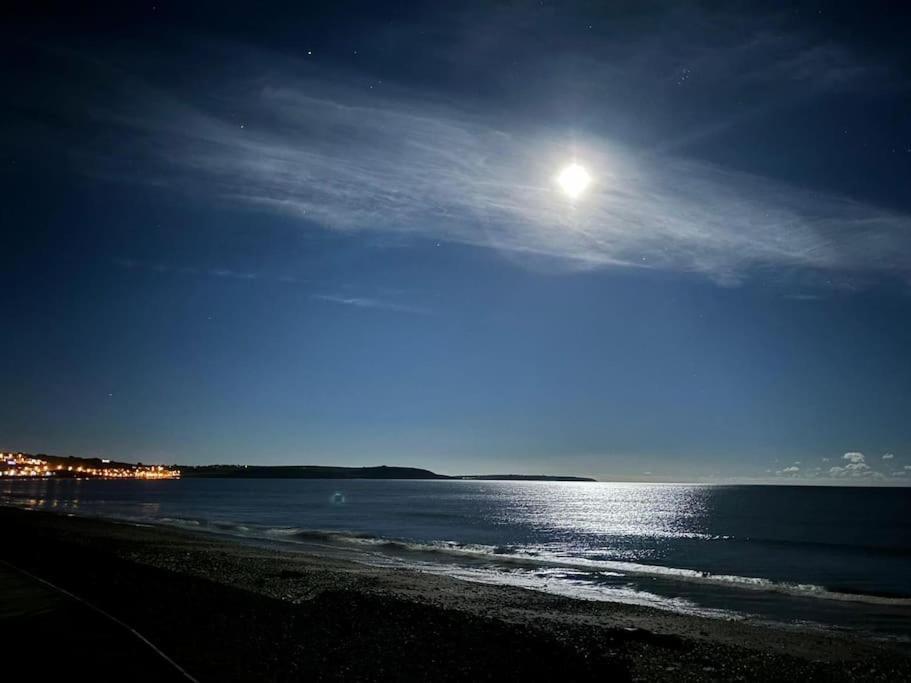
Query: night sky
pixel 331 233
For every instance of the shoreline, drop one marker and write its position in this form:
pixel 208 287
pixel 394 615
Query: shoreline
pixel 687 591
pixel 386 614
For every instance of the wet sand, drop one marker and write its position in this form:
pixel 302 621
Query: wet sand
pixel 228 611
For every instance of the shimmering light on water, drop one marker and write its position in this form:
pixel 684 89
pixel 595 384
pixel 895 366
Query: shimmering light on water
pixel 607 509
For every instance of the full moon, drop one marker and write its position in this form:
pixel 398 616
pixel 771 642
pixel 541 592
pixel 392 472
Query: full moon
pixel 574 180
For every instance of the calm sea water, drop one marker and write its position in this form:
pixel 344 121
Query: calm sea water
pixel 831 557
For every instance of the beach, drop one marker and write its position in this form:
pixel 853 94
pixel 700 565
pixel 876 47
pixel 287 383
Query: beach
pixel 225 610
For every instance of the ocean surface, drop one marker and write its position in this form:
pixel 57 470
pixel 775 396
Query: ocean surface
pixel 834 558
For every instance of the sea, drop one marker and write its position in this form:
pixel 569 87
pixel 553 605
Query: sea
pixel 834 558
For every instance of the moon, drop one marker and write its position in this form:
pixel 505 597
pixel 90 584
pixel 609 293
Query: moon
pixel 574 180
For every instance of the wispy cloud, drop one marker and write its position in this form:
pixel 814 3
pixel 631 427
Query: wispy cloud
pixel 158 267
pixel 803 297
pixel 341 299
pixel 367 302
pixel 350 161
pixel 329 148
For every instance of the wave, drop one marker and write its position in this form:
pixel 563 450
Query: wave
pixel 465 555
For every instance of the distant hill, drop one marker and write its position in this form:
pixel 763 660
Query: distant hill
pixel 328 472
pixel 72 460
pixel 522 477
pixel 307 472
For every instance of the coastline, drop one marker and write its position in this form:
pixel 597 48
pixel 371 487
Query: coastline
pixel 234 611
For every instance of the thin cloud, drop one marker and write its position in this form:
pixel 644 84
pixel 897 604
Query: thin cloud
pixel 233 274
pixel 367 302
pixel 351 161
pixel 803 297
pixel 226 273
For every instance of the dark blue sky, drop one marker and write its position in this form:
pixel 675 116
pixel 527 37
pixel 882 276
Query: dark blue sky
pixel 294 234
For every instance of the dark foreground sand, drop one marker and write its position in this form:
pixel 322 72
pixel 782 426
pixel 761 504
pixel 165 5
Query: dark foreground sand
pixel 226 611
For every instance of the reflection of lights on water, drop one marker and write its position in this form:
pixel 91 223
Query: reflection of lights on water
pixel 615 510
pixel 338 498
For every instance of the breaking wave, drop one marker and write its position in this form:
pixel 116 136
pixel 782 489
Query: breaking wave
pixel 469 557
